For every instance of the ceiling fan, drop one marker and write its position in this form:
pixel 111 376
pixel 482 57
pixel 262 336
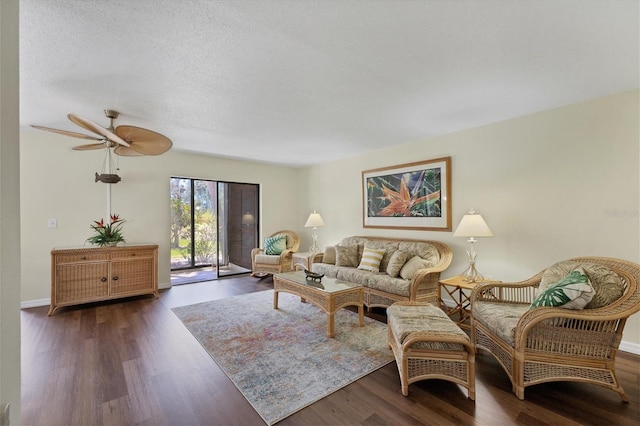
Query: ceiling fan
pixel 128 141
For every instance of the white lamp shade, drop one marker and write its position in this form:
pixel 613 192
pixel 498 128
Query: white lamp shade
pixel 472 225
pixel 314 221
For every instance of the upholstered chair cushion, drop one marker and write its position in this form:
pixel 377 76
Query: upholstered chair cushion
pixel 607 284
pixel 573 291
pixel 267 259
pixel 501 318
pixel 275 245
pixel 371 260
pixel 397 261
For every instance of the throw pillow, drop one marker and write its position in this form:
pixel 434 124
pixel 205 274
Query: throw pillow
pixel 572 292
pixel 608 285
pixel 275 245
pixel 347 256
pixel 329 255
pixel 412 266
pixel 371 260
pixel 398 259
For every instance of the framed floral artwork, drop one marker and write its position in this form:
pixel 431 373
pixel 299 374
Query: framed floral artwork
pixel 408 196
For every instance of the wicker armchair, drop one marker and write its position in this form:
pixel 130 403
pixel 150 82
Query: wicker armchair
pixel 555 344
pixel 264 264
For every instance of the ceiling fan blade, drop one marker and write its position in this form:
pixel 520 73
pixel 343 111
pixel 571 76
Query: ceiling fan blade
pixel 144 141
pixel 67 133
pixel 126 151
pixel 96 128
pixel 89 147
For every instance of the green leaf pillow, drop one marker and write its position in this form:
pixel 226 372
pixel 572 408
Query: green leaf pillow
pixel 275 245
pixel 573 291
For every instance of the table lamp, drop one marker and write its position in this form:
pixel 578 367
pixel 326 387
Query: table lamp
pixel 472 225
pixel 314 221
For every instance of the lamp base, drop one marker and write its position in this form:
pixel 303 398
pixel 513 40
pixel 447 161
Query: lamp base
pixel 471 274
pixel 314 247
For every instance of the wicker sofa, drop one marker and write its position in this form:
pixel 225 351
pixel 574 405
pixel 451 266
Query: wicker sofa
pixel 415 278
pixel 537 344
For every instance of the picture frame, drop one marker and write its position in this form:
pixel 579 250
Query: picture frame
pixel 413 196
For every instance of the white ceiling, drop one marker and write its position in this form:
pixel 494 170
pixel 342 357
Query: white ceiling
pixel 304 82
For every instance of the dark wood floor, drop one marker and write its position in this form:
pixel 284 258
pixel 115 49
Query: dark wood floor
pixel 134 362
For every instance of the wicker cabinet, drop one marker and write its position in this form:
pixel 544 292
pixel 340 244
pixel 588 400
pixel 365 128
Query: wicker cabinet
pixel 83 275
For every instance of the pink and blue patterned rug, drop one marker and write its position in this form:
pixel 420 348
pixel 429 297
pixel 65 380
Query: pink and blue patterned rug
pixel 282 360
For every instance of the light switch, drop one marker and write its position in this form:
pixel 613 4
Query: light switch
pixel 52 223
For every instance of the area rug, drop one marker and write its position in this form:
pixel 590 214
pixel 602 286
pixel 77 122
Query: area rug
pixel 282 360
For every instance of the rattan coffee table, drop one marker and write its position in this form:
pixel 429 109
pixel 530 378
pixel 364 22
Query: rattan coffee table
pixel 329 295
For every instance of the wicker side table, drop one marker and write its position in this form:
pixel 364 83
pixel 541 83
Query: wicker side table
pixel 301 259
pixel 455 287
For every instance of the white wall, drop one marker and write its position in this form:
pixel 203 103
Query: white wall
pixel 551 186
pixel 59 183
pixel 9 211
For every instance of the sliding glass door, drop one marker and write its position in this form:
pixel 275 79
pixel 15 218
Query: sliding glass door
pixel 213 225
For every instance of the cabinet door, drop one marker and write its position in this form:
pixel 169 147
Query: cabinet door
pixel 81 281
pixel 132 275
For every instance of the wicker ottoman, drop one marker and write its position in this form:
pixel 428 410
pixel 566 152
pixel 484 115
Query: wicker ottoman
pixel 427 344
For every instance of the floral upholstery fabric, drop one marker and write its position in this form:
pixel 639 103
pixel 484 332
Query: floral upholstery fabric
pixel 417 248
pixel 396 262
pixel 405 320
pixel 347 256
pixel 382 281
pixel 392 285
pixel 501 318
pixel 607 284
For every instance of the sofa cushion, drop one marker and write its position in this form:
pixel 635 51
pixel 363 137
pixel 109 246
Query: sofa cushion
pixel 347 256
pixel 608 285
pixel 412 266
pixel 354 275
pixel 425 250
pixel 327 269
pixel 573 291
pixel 358 242
pixel 389 247
pixel 501 318
pixel 371 259
pixel 397 261
pixel 275 245
pixel 384 282
pixel 329 255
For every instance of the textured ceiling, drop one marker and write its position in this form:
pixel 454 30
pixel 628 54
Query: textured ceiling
pixel 304 82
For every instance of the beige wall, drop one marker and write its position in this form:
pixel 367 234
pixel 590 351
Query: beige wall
pixel 551 185
pixel 9 211
pixel 59 183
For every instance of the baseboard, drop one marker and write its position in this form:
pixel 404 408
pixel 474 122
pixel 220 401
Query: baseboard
pixel 164 286
pixel 35 303
pixel 633 348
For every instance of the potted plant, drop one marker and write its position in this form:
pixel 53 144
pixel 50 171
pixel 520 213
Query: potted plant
pixel 109 234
